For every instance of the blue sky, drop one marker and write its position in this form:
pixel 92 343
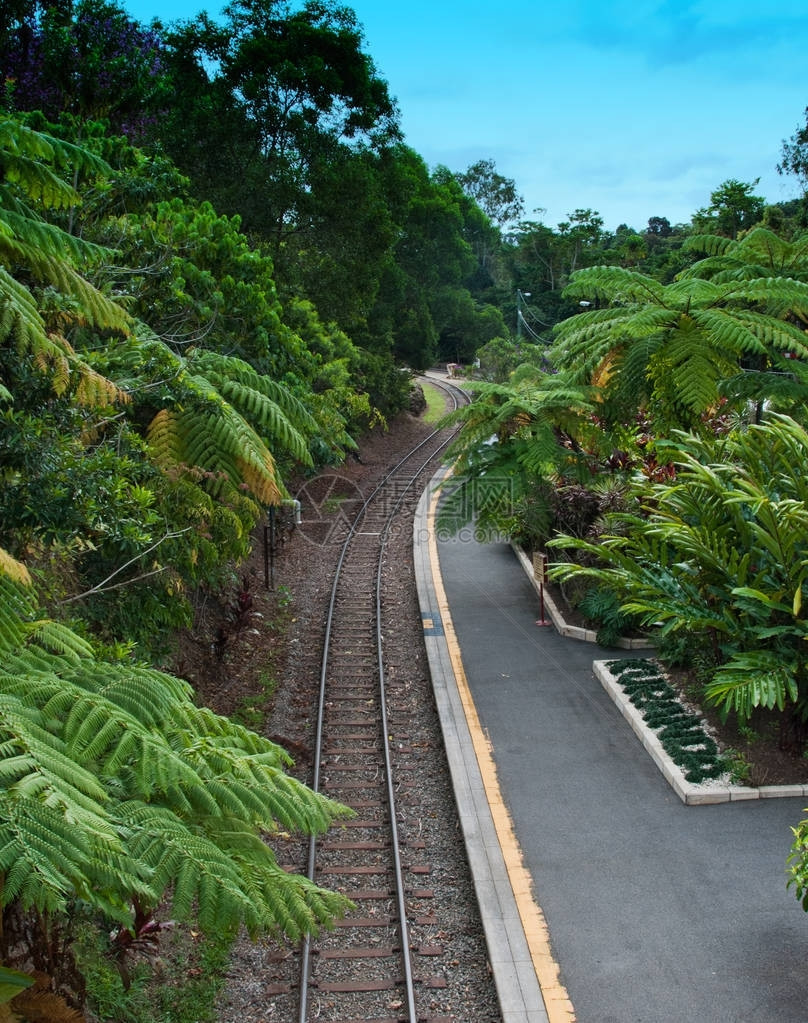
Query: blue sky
pixel 632 109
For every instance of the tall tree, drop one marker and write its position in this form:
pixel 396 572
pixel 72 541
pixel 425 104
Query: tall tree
pixel 733 208
pixel 495 194
pixel 339 262
pixel 794 155
pixel 582 234
pixel 424 292
pixel 294 83
pixel 542 261
pixel 90 60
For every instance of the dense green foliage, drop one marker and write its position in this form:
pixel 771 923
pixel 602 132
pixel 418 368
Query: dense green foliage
pixel 217 254
pixel 128 469
pixel 675 349
pixel 719 557
pixel 117 788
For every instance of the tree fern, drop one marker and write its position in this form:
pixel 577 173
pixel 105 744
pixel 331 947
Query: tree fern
pixel 30 186
pixel 625 377
pixel 694 333
pixel 515 439
pixel 116 789
pixel 28 156
pixel 759 253
pixel 229 371
pixel 218 415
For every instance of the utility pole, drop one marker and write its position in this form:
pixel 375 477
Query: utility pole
pixel 520 298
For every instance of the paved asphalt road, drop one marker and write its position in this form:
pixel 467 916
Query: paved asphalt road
pixel 658 912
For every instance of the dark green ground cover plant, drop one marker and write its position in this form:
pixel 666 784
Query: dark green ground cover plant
pixel 681 731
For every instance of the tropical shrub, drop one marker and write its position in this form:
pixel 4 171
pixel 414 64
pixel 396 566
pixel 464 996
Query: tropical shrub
pixel 721 551
pixel 798 863
pixel 602 607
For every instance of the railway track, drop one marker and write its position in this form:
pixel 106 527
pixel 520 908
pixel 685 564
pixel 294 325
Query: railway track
pixel 382 963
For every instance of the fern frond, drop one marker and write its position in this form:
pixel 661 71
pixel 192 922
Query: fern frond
pixel 538 455
pixel 45 248
pixel 223 442
pixel 688 293
pixel 759 253
pixel 691 369
pixel 154 697
pixel 224 369
pixel 268 419
pixel 614 284
pixel 28 152
pixel 255 398
pixel 19 315
pixel 777 296
pixel 203 878
pixel 58 639
pixel 20 319
pixel 631 365
pixel 97 391
pixel 165 439
pixel 13 569
pixel 39 854
pixel 709 244
pixel 114 787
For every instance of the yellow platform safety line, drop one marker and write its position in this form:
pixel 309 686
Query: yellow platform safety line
pixel 556 1000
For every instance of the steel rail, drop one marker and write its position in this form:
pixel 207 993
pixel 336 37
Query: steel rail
pixel 458 396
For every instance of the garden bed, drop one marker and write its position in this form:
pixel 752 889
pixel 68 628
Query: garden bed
pixel 689 750
pixel 761 755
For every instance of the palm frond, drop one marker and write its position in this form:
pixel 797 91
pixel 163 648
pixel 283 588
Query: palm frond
pixel 753 679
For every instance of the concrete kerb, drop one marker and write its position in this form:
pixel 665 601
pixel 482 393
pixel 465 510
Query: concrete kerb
pixel 557 618
pixel 525 974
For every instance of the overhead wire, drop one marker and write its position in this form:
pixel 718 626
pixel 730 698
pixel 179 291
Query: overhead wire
pixel 528 328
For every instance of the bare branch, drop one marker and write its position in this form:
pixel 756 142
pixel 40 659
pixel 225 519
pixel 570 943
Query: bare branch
pixel 102 586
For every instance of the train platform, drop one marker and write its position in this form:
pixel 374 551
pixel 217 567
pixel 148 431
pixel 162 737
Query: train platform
pixel 605 899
